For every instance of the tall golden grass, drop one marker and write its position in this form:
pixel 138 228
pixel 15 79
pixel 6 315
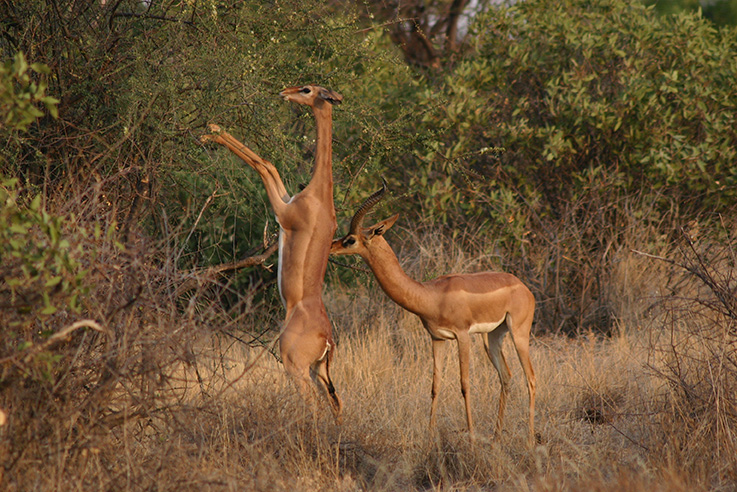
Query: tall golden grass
pixel 650 408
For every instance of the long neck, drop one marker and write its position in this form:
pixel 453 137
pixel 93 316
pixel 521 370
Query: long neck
pixel 405 291
pixel 322 173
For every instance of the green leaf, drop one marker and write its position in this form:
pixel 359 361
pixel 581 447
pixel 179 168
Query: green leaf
pixel 48 310
pixel 21 65
pixel 18 228
pixel 53 281
pixel 36 203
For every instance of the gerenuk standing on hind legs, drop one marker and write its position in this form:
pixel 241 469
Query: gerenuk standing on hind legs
pixel 307 222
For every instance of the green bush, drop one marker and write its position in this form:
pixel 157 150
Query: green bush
pixel 20 94
pixel 41 270
pixel 138 86
pixel 43 281
pixel 578 86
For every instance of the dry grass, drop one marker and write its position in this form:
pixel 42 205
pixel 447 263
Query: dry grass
pixel 599 423
pixel 598 412
pixel 649 408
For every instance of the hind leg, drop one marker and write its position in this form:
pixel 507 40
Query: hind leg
pixel 493 344
pixel 298 361
pixel 300 376
pixel 322 379
pixel 521 339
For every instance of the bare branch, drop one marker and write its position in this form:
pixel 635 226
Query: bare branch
pixel 57 337
pixel 197 278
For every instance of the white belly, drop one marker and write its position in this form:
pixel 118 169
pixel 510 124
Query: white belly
pixel 448 334
pixel 278 267
pixel 443 334
pixel 486 327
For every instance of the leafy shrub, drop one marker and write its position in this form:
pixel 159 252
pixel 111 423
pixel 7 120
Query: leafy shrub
pixel 19 94
pixel 41 270
pixel 91 337
pixel 587 85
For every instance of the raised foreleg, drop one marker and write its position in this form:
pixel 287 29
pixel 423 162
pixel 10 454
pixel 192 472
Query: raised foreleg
pixel 275 189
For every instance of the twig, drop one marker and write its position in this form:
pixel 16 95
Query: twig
pixel 209 275
pixel 62 334
pixel 196 222
pixel 667 260
pixel 630 439
pixel 211 272
pixel 345 265
pixel 57 337
pixel 150 16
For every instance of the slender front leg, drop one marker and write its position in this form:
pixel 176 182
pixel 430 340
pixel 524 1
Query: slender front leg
pixel 438 349
pixel 464 359
pixel 275 189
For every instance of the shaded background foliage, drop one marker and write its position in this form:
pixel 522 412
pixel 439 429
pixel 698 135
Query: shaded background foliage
pixel 529 120
pixel 522 122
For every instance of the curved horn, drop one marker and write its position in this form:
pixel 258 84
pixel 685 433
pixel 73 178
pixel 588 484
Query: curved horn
pixel 370 203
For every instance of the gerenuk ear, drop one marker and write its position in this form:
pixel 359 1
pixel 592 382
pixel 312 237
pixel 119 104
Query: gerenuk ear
pixel 330 96
pixel 383 226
